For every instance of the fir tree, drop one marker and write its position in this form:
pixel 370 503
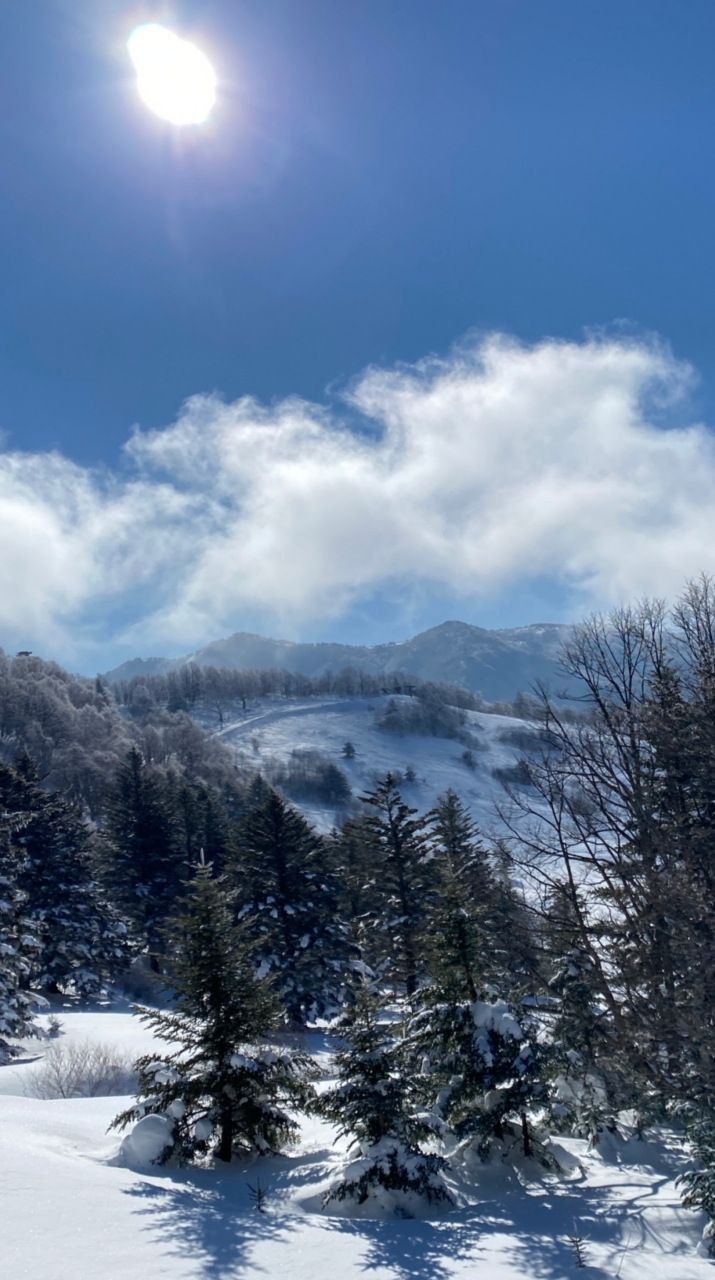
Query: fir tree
pixel 373 1103
pixel 588 1088
pixel 480 1069
pixel 289 893
pixel 225 1088
pixel 404 881
pixel 465 892
pixel 81 942
pixel 474 1055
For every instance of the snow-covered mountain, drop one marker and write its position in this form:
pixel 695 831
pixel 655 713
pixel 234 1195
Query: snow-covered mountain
pixel 496 664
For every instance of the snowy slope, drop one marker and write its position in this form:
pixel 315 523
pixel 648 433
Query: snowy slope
pixel 269 732
pixel 73 1211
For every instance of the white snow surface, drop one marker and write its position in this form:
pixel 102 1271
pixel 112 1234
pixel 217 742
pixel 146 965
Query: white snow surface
pixel 74 1209
pixel 273 728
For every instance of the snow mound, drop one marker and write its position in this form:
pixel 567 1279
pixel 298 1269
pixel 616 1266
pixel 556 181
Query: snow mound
pixel 147 1141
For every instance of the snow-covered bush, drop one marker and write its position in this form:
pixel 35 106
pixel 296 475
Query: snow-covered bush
pixel 86 1070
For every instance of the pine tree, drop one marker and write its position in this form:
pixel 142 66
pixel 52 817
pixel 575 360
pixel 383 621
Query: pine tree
pixel 81 942
pixel 143 862
pixel 225 1088
pixel 373 1103
pixel 289 893
pixel 404 881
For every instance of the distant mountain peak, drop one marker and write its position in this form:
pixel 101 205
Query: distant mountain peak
pixel 496 663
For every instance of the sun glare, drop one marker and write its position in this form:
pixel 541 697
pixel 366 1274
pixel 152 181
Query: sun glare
pixel 174 78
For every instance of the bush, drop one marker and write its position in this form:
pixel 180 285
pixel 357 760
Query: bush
pixel 312 778
pixel 516 775
pixel 86 1070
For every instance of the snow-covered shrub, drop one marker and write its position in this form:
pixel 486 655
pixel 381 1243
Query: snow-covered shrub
pixel 86 1070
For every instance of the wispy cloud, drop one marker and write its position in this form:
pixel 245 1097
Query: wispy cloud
pixel 497 465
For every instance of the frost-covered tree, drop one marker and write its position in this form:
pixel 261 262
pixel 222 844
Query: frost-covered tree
pixel 225 1088
pixel 288 890
pixel 373 1102
pixel 18 948
pixel 81 941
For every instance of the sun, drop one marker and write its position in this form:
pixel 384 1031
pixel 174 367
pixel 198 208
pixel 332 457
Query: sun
pixel 174 78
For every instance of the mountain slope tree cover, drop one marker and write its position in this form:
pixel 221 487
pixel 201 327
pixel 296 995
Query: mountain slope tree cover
pixel 80 940
pixel 566 972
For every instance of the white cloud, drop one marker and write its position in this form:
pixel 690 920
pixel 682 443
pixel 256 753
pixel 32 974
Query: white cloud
pixel 500 464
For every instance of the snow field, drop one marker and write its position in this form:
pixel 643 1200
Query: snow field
pixel 270 732
pixel 74 1210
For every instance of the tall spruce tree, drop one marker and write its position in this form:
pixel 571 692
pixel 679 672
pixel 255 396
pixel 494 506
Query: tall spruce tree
pixel 404 882
pixel 81 941
pixel 225 1088
pixel 143 862
pixel 289 892
pixel 373 1102
pixel 465 891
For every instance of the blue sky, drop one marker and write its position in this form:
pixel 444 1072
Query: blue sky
pixel 379 181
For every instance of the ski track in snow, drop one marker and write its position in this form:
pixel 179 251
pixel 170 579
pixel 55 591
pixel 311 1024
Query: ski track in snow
pixel 71 1211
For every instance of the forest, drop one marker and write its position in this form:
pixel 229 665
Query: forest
pixel 484 990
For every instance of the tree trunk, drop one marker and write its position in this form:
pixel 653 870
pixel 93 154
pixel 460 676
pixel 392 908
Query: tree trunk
pixel 225 1148
pixel 525 1134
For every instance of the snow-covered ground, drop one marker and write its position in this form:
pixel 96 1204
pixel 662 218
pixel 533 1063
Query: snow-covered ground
pixel 71 1210
pixel 269 732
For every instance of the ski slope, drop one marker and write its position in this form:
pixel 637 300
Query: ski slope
pixel 270 731
pixel 72 1209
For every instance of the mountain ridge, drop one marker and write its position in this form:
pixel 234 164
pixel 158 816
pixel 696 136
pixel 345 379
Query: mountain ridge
pixel 496 663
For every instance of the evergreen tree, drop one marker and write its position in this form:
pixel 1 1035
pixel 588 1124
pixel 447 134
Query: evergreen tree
pixel 465 892
pixel 373 1103
pixel 143 862
pixel 225 1088
pixel 81 942
pixel 588 1086
pixel 290 895
pixel 404 880
pixel 474 1055
pixel 480 1069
